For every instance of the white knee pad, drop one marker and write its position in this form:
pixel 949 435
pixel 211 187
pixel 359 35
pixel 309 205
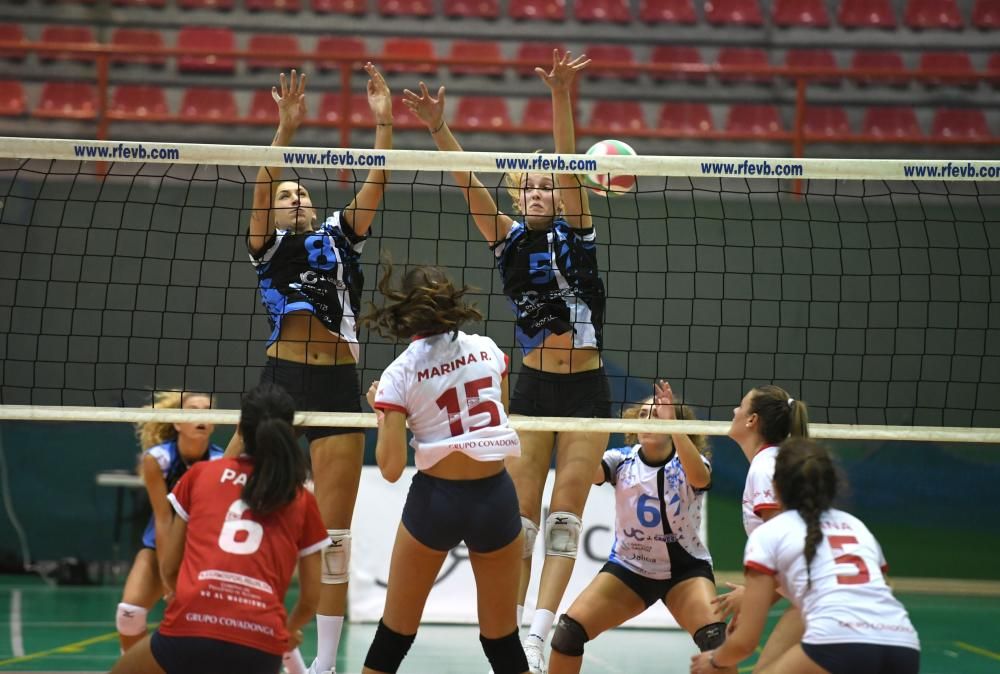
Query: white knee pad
pixel 530 534
pixel 562 534
pixel 337 557
pixel 130 619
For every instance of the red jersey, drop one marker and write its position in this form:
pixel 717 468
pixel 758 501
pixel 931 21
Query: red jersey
pixel 237 566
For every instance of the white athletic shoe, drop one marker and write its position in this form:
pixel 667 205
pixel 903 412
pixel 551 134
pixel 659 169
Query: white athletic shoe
pixel 536 658
pixel 313 670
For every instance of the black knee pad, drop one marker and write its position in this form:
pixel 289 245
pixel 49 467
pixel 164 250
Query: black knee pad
pixel 710 636
pixel 505 654
pixel 388 649
pixel 569 637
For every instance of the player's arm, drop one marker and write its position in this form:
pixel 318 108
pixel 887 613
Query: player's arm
pixel 390 451
pixel 291 101
pixel 156 489
pixel 698 474
pixel 490 222
pixel 360 213
pixel 743 641
pixel 171 552
pixel 309 587
pixel 560 82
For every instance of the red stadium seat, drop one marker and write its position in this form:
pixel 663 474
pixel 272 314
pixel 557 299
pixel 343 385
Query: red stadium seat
pixel 891 122
pixel 993 68
pixel 417 48
pixel 470 50
pixel 337 46
pixel 360 113
pixel 601 54
pixel 537 115
pixel 263 109
pixel 753 119
pixel 67 100
pixel 825 120
pixel 667 11
pixel 137 38
pixel 538 53
pixel 538 10
pixel 421 8
pixel 733 12
pixel 209 106
pixel 957 62
pixel 807 13
pixel 866 14
pixel 290 6
pixel 686 119
pixel 602 11
pixel 482 112
pixel 676 56
pixel 614 116
pixel 472 9
pixel 986 14
pixel 879 60
pixel 155 4
pixel 13 33
pixel 139 102
pixel 931 14
pixel 222 5
pixel 13 102
pixel 53 35
pixel 813 58
pixel 743 56
pixel 355 7
pixel 274 42
pixel 221 39
pixel 966 123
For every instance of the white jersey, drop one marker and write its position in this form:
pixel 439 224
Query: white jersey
pixel 849 601
pixel 657 513
pixel 758 494
pixel 449 388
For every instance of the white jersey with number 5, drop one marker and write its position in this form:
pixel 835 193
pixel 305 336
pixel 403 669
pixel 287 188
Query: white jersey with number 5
pixel 849 600
pixel 448 385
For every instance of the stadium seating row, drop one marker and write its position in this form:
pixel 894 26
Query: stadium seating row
pixel 74 100
pixel 916 14
pixel 421 52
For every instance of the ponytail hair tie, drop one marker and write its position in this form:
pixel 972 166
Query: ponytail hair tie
pixel 790 401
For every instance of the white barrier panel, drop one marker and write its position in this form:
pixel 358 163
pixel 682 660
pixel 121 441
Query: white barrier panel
pixel 453 599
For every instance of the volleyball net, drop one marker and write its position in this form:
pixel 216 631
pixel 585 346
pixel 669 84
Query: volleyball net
pixel 866 288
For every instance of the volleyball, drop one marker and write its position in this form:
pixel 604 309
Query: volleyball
pixel 610 184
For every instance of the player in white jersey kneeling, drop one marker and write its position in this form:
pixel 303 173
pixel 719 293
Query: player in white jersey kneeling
pixel 660 483
pixel 452 389
pixel 831 567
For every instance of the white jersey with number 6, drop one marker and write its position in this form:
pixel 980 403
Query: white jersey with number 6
pixel 448 385
pixel 849 600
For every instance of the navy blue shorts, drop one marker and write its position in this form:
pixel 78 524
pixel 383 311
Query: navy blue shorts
pixel 197 655
pixel 652 590
pixel 550 394
pixel 864 658
pixel 442 513
pixel 317 388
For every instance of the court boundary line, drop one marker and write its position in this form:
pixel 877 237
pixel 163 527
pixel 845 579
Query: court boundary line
pixel 985 652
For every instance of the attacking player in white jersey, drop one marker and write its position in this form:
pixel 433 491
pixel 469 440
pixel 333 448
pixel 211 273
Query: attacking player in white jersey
pixel 765 417
pixel 831 567
pixel 658 555
pixel 452 389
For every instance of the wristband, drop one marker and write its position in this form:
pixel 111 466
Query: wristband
pixel 440 126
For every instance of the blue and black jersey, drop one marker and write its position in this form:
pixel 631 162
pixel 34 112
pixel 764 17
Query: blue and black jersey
pixel 168 457
pixel 551 279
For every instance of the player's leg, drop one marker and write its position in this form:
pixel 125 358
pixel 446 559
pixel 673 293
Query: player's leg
pixel 529 472
pixel 787 633
pixel 412 571
pixel 138 660
pixel 605 603
pixel 142 590
pixel 791 661
pixel 690 603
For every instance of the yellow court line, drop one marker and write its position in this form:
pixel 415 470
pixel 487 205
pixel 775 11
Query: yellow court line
pixel 977 650
pixel 67 648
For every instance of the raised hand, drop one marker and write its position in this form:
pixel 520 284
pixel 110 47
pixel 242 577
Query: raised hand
pixel 563 72
pixel 425 107
pixel 379 96
pixel 291 100
pixel 663 401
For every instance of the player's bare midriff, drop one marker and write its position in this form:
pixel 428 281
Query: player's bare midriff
pixel 459 466
pixel 304 339
pixel 558 356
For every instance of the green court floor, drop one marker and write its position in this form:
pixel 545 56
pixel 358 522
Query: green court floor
pixel 71 629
